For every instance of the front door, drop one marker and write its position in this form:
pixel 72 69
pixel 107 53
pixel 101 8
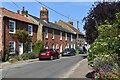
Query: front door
pixel 20 48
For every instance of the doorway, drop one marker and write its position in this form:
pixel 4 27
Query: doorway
pixel 20 48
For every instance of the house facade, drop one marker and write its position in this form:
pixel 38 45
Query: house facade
pixel 11 23
pixel 69 26
pixel 53 35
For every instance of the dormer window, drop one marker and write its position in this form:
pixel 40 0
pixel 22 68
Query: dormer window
pixel 12 26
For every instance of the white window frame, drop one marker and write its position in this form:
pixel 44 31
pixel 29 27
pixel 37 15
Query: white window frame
pixel 13 46
pixel 14 26
pixel 53 34
pixel 30 45
pixel 71 45
pixel 46 32
pixel 68 45
pixel 71 37
pixel 74 46
pixel 46 46
pixel 31 31
pixel 53 46
pixel 60 35
pixel 60 47
pixel 65 36
pixel 57 46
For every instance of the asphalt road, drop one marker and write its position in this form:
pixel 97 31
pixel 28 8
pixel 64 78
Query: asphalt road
pixel 58 68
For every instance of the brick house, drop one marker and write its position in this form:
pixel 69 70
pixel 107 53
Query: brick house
pixel 10 23
pixel 69 26
pixel 53 35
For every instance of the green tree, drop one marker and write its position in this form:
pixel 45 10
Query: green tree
pixel 37 46
pixel 23 37
pixel 107 46
pixel 99 14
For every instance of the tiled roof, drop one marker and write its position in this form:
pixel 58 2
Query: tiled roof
pixel 50 24
pixel 73 28
pixel 13 15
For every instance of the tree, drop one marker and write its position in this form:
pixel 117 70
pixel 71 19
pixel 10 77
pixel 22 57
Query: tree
pixel 23 37
pixel 106 47
pixel 100 13
pixel 37 46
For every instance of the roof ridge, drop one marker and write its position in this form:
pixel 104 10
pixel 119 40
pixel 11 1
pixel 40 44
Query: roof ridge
pixel 76 30
pixel 15 15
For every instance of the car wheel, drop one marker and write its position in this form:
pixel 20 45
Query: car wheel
pixel 51 57
pixel 39 59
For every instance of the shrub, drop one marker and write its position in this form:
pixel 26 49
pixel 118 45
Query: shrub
pixel 27 56
pixel 77 51
pixel 14 58
pixel 32 55
pixel 105 50
pixel 37 46
pixel 23 36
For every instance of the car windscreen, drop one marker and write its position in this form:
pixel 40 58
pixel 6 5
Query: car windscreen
pixel 44 51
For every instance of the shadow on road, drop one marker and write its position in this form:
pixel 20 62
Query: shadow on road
pixel 84 56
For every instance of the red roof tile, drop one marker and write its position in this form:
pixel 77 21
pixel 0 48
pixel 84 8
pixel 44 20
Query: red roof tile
pixel 14 15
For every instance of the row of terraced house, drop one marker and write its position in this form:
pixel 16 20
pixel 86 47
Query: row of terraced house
pixel 58 35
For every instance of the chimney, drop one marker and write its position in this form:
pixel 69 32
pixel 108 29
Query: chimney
pixel 70 22
pixel 55 22
pixel 18 11
pixel 24 12
pixel 44 14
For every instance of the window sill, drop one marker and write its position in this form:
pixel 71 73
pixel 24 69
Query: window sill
pixel 11 52
pixel 46 37
pixel 12 32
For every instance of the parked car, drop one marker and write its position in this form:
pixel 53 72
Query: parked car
pixel 69 52
pixel 82 50
pixel 48 54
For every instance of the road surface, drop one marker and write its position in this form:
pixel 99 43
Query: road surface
pixel 58 68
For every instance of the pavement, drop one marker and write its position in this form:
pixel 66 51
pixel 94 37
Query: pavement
pixel 81 70
pixel 72 67
pixel 5 65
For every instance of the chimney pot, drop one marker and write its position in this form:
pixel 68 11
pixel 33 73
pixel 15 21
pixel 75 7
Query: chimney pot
pixel 26 13
pixel 18 11
pixel 70 22
pixel 44 14
pixel 23 9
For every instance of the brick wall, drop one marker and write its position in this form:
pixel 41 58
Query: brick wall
pixel 19 26
pixel 56 39
pixel 1 46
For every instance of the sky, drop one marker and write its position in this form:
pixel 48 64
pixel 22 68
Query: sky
pixel 74 10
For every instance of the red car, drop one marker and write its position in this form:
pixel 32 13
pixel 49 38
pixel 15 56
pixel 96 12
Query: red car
pixel 48 54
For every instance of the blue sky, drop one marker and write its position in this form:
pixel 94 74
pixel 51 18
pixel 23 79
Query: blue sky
pixel 74 10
